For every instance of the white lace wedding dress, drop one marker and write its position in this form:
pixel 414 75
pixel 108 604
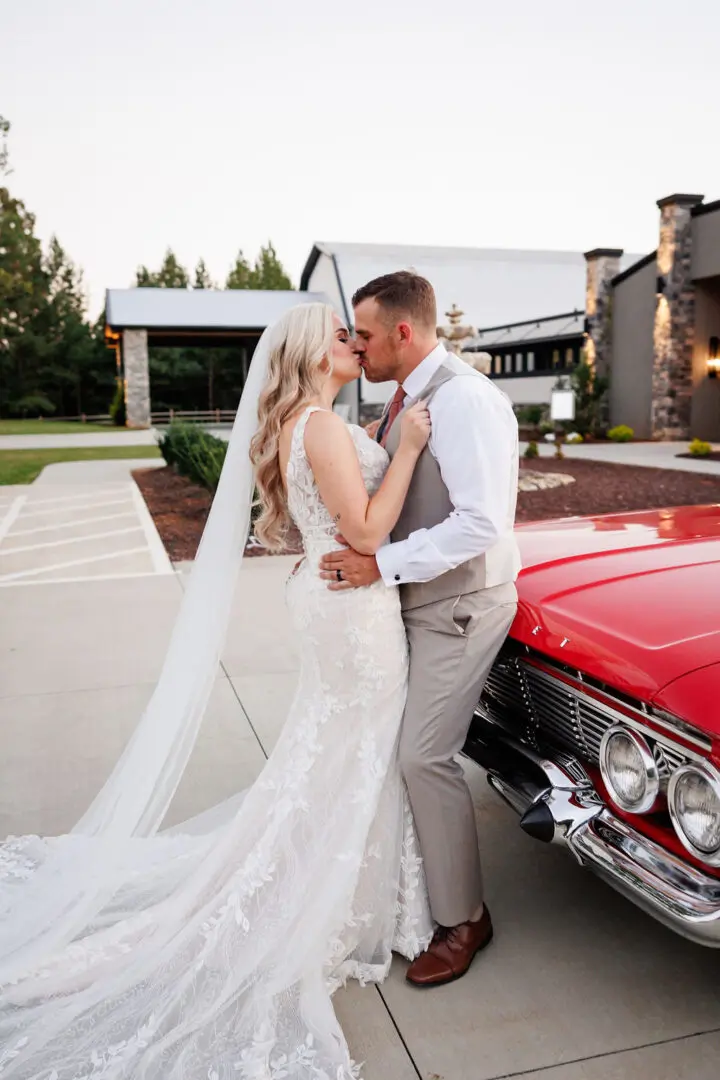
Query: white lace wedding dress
pixel 217 954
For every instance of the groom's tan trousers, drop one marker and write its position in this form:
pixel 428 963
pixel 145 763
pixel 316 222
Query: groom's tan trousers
pixel 453 644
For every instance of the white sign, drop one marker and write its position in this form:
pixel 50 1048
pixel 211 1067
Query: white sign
pixel 562 405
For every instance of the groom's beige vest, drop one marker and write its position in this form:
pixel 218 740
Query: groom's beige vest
pixel 428 503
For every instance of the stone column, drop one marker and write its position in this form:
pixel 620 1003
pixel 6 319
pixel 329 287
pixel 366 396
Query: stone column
pixel 137 378
pixel 674 330
pixel 602 265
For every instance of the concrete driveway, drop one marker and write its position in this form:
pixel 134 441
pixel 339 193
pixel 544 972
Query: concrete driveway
pixel 578 985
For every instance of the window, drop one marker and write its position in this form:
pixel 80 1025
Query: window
pixel 531 361
pixel 518 363
pixel 569 357
pixel 508 363
pixel 556 358
pixel 498 365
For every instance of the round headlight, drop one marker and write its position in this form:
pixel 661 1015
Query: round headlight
pixel 694 801
pixel 629 770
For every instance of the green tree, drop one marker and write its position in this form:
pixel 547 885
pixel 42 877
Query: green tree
pixel 591 397
pixel 268 272
pixel 202 278
pixel 239 276
pixel 77 369
pixel 23 299
pixel 171 275
pixel 4 131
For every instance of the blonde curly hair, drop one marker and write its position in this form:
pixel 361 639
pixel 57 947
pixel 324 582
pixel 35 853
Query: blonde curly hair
pixel 300 360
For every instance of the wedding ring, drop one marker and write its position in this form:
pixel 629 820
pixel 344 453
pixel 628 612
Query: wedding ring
pixel 338 575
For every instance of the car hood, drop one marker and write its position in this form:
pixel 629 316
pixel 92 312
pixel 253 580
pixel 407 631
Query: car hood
pixel 630 599
pixel 694 697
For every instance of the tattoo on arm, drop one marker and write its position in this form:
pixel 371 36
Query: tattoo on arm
pixel 337 518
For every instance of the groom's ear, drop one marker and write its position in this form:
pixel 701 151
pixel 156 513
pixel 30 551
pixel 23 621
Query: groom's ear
pixel 404 331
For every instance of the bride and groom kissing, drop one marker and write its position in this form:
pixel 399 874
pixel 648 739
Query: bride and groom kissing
pixel 212 949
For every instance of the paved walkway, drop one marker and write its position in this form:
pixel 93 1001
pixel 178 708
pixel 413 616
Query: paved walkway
pixel 653 455
pixel 578 985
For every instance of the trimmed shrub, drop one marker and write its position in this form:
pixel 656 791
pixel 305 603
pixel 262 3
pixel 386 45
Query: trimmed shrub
pixel 699 448
pixel 530 414
pixel 194 453
pixel 531 450
pixel 574 437
pixel 621 433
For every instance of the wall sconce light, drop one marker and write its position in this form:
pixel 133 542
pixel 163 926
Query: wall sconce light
pixel 660 284
pixel 713 357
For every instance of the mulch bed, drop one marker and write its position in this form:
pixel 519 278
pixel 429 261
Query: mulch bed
pixel 714 455
pixel 600 488
pixel 179 508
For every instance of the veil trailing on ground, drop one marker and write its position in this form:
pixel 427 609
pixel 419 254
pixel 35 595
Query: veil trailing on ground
pixel 210 951
pixel 59 884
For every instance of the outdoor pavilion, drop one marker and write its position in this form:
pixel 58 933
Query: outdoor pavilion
pixel 139 318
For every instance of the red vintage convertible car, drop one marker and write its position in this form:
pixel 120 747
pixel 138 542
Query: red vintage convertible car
pixel 600 721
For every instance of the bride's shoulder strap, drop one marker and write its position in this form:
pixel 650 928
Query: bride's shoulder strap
pixel 299 429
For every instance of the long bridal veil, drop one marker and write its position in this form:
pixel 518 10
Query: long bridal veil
pixel 210 951
pixel 52 889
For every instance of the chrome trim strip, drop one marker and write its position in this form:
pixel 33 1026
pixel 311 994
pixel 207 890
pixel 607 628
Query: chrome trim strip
pixel 677 894
pixel 547 673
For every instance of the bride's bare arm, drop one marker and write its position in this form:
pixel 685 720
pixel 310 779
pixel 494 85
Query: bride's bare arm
pixel 364 522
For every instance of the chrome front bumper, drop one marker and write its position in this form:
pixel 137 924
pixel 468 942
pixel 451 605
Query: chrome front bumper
pixel 559 804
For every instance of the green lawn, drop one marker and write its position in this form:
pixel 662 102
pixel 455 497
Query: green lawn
pixel 22 466
pixel 51 427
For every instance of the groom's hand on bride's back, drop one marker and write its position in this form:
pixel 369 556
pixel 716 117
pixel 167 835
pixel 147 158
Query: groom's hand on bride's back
pixel 355 570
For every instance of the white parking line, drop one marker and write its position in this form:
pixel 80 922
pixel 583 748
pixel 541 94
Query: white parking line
pixel 85 506
pixel 70 540
pixel 159 556
pixel 81 495
pixel 71 524
pixel 74 562
pixel 11 516
pixel 74 580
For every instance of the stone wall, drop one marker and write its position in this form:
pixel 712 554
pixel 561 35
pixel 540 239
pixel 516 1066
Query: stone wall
pixel 603 264
pixel 674 330
pixel 137 378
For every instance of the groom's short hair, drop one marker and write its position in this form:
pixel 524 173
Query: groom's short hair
pixel 402 294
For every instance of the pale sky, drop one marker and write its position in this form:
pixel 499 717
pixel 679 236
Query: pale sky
pixel 214 125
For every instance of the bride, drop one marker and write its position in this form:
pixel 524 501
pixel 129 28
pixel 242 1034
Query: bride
pixel 211 950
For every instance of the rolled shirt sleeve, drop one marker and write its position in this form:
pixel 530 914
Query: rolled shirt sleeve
pixel 474 441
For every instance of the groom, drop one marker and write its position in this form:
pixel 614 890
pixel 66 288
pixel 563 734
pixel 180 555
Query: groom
pixel 455 559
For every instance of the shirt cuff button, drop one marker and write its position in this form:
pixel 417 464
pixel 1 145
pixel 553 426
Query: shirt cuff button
pixel 397 577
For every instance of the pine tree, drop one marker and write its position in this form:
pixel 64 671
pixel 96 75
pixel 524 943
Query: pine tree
pixel 171 275
pixel 239 276
pixel 202 277
pixel 268 272
pixel 5 170
pixel 23 299
pixel 77 369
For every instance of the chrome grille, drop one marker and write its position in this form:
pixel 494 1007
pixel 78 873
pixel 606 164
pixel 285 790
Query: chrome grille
pixel 546 711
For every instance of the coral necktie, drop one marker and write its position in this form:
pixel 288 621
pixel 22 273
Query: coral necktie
pixel 395 407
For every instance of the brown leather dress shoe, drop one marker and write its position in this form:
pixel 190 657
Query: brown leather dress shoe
pixel 451 952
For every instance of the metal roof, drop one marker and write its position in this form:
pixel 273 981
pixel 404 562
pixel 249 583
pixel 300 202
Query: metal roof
pixel 200 309
pixel 491 286
pixel 548 329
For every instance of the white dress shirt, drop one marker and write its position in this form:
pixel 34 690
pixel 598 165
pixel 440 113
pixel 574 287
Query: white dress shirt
pixel 475 442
